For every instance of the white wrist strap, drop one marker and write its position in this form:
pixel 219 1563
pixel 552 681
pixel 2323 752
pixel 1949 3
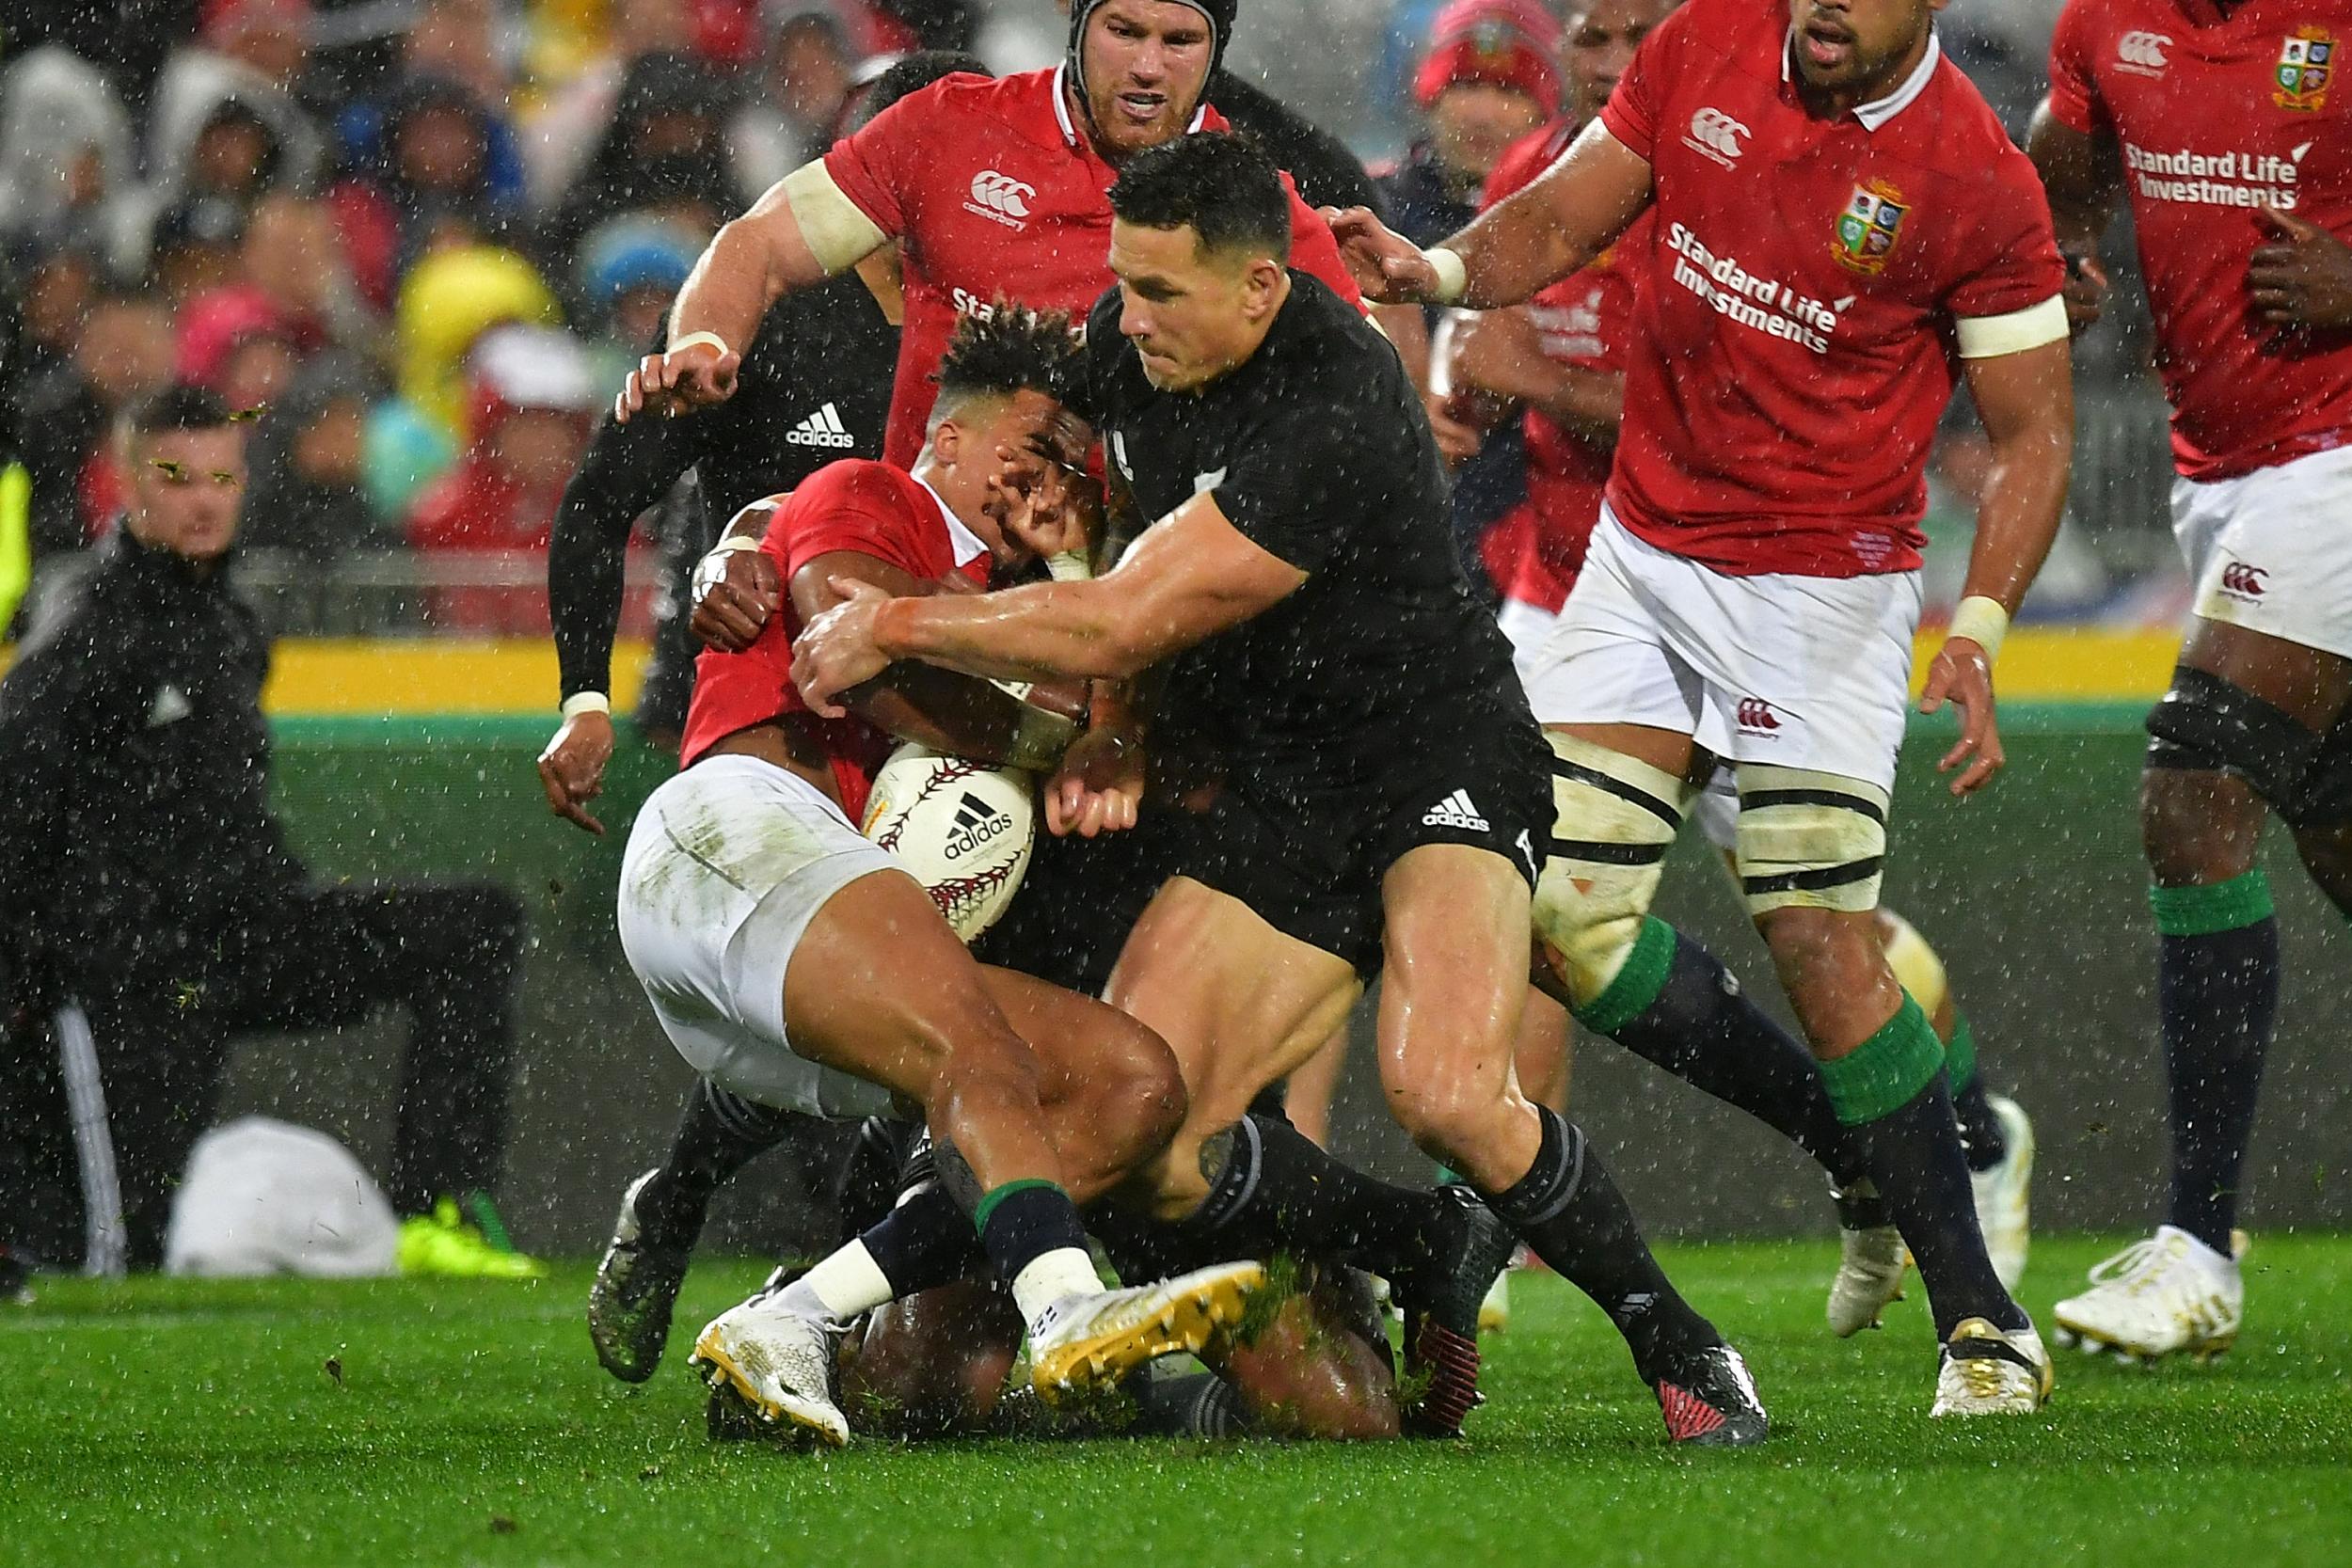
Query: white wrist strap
pixel 586 701
pixel 1452 276
pixel 692 338
pixel 1983 622
pixel 1070 566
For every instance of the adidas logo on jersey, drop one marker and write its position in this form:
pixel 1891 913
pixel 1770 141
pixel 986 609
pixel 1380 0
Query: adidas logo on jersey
pixel 821 429
pixel 975 824
pixel 1456 811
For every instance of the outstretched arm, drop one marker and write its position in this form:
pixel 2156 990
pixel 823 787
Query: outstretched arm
pixel 2082 175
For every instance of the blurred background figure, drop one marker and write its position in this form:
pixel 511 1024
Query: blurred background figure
pixel 796 90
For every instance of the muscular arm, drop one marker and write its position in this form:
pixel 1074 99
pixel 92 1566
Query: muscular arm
pixel 2083 176
pixel 923 702
pixel 628 468
pixel 2027 402
pixel 802 231
pixel 1190 576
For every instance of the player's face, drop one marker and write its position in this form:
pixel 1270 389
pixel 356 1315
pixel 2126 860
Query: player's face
pixel 187 487
pixel 1146 64
pixel 1601 44
pixel 1860 46
pixel 1028 421
pixel 1192 314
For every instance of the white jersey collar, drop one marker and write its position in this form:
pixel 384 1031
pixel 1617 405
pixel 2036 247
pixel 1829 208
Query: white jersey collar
pixel 968 546
pixel 1070 131
pixel 1880 110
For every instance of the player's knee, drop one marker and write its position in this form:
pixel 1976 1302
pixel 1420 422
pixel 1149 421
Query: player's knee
pixel 1444 1110
pixel 982 1062
pixel 1614 818
pixel 1809 841
pixel 2206 724
pixel 1141 1101
pixel 1917 968
pixel 1823 956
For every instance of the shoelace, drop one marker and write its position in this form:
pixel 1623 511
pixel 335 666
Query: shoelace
pixel 1982 1375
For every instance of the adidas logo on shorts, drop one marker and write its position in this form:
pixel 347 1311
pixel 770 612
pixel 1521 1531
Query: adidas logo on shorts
pixel 975 824
pixel 1456 811
pixel 821 429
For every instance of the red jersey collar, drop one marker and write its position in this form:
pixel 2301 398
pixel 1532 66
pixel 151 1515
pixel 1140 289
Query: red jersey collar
pixel 1880 110
pixel 967 544
pixel 1070 131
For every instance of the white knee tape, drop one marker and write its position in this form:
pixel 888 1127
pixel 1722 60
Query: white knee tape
pixel 1613 819
pixel 1809 840
pixel 1916 967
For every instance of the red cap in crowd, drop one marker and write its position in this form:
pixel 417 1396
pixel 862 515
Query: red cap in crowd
pixel 218 20
pixel 1511 43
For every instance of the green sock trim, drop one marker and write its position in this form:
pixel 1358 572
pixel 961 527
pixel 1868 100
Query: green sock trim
pixel 487 1220
pixel 1448 1175
pixel 1959 1054
pixel 991 1199
pixel 2199 911
pixel 1885 1072
pixel 1637 985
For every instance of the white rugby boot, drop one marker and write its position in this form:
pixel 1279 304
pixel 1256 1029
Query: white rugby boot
pixel 1870 1263
pixel 2170 1294
pixel 1096 1337
pixel 2003 1210
pixel 1992 1371
pixel 771 1371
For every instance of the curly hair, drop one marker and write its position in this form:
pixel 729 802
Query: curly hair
pixel 1009 348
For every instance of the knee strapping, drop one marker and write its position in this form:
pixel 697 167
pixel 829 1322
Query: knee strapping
pixel 2207 724
pixel 1809 840
pixel 1916 967
pixel 1613 819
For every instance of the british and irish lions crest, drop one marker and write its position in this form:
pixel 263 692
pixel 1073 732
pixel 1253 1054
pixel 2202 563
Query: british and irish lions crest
pixel 2306 60
pixel 1868 229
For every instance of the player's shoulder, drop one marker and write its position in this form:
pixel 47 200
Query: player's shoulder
pixel 1956 134
pixel 1525 159
pixel 1020 105
pixel 1323 352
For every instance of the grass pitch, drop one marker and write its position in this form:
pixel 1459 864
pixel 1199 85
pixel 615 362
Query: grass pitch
pixel 297 1423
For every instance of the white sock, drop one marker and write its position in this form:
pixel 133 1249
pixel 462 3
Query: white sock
pixel 1050 1275
pixel 842 1286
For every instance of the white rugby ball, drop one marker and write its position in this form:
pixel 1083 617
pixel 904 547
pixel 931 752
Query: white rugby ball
pixel 963 829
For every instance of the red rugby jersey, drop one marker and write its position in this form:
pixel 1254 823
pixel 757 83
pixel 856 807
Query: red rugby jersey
pixel 854 504
pixel 2216 113
pixel 990 189
pixel 1794 342
pixel 1582 320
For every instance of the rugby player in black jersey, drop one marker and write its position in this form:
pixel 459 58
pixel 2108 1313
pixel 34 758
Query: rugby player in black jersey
pixel 1344 772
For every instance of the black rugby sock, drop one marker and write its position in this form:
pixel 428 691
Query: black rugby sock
pixel 1273 1190
pixel 718 1133
pixel 1698 1024
pixel 1568 1209
pixel 1192 1404
pixel 2217 997
pixel 1980 1133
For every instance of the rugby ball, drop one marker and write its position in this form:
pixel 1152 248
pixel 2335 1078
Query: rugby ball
pixel 963 829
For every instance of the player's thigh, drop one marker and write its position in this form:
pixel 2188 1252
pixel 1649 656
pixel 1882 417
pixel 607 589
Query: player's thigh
pixel 1082 1046
pixel 2269 554
pixel 1457 943
pixel 1240 1003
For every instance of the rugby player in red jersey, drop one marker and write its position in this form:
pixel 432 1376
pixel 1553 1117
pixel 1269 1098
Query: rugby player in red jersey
pixel 1839 231
pixel 2225 127
pixel 991 188
pixel 1560 356
pixel 797 964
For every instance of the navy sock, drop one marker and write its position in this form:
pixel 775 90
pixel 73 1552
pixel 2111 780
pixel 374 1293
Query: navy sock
pixel 718 1133
pixel 924 1243
pixel 1568 1209
pixel 1674 1006
pixel 1022 1220
pixel 1980 1133
pixel 1890 1092
pixel 2217 996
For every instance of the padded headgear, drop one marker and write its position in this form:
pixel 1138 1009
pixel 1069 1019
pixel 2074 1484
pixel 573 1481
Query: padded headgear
pixel 1219 13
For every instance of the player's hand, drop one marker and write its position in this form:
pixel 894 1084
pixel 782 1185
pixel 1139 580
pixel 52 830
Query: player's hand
pixel 836 651
pixel 2085 293
pixel 1963 675
pixel 1044 500
pixel 1387 266
pixel 1099 786
pixel 1458 440
pixel 672 384
pixel 2303 276
pixel 571 770
pixel 735 594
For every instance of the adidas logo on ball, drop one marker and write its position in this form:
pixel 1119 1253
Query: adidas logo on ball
pixel 821 429
pixel 975 826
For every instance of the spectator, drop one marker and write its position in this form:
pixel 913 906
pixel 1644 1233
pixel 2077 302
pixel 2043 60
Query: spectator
pixel 124 353
pixel 434 184
pixel 630 268
pixel 1491 75
pixel 664 153
pixel 242 71
pixel 293 257
pixel 236 343
pixel 806 70
pixel 557 140
pixel 310 463
pixel 65 153
pixel 195 246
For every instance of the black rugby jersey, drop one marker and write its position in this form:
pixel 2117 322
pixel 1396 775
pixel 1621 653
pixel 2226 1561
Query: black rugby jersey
pixel 1317 450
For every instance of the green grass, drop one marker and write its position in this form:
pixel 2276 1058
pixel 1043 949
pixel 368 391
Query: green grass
pixel 198 1422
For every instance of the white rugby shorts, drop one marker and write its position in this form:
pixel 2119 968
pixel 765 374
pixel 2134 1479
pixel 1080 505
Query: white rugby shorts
pixel 728 864
pixel 1525 625
pixel 2272 550
pixel 1794 672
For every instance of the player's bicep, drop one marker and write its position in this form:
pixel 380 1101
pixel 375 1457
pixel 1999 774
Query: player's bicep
pixel 820 581
pixel 2025 397
pixel 2081 171
pixel 1194 574
pixel 1595 189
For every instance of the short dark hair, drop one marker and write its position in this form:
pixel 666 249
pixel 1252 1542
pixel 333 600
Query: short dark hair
pixel 182 405
pixel 912 73
pixel 1008 348
pixel 1221 186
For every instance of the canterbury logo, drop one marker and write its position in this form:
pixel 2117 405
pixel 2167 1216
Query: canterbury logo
pixel 2244 581
pixel 1758 715
pixel 821 429
pixel 2145 50
pixel 1715 131
pixel 1456 811
pixel 975 824
pixel 1000 196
